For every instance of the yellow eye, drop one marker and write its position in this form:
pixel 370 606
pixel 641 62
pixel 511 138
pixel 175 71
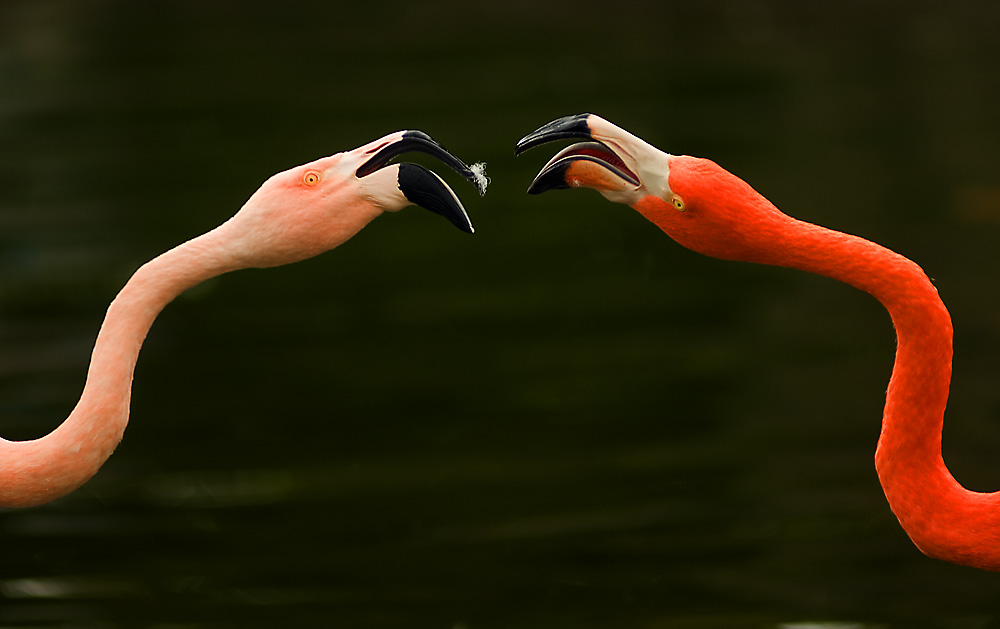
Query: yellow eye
pixel 678 202
pixel 311 178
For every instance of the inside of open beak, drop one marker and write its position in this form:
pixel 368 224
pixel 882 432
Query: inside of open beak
pixel 600 154
pixel 585 164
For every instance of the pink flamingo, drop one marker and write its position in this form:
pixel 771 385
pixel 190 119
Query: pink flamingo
pixel 709 210
pixel 294 215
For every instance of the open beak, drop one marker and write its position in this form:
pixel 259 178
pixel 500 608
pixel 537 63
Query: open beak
pixel 419 185
pixel 597 162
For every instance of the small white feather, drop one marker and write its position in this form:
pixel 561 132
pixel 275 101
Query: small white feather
pixel 479 170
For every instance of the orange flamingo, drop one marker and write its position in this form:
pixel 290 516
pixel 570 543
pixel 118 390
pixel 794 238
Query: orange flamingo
pixel 709 210
pixel 294 215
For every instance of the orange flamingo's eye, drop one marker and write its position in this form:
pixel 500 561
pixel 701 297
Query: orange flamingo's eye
pixel 311 178
pixel 678 202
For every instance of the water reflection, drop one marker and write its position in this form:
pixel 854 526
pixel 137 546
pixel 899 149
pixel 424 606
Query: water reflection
pixel 86 587
pixel 220 489
pixel 821 625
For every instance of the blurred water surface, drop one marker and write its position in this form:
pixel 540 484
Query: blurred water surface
pixel 565 420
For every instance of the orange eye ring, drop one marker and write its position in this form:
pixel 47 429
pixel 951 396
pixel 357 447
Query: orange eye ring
pixel 311 178
pixel 677 202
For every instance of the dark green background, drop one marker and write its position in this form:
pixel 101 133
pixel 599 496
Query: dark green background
pixel 565 420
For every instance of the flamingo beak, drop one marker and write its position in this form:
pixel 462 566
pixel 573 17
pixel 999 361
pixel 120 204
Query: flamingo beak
pixel 419 185
pixel 591 163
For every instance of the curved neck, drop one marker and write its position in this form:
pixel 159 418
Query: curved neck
pixel 943 519
pixel 37 471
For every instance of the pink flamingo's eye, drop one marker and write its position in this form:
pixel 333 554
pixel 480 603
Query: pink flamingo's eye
pixel 311 178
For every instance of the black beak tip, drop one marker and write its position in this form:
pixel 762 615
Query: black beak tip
pixel 425 188
pixel 567 127
pixel 551 178
pixel 420 142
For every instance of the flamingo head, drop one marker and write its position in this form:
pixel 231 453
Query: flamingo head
pixel 697 203
pixel 309 209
